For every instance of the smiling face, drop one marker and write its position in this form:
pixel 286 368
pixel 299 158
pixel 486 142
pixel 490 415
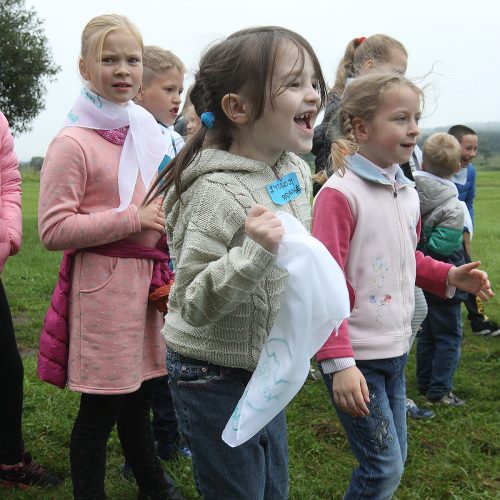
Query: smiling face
pixel 117 74
pixel 391 136
pixel 287 121
pixel 468 149
pixel 162 97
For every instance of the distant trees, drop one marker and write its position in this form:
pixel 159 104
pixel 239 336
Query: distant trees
pixel 26 64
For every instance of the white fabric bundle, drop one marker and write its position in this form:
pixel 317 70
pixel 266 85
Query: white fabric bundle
pixel 315 302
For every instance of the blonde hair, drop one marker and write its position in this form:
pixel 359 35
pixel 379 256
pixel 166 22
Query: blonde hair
pixel 361 99
pixel 157 60
pixel 441 154
pixel 359 50
pixel 98 28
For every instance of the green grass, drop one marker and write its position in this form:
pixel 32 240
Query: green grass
pixel 456 455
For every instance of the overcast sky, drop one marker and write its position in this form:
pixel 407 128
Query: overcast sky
pixel 453 42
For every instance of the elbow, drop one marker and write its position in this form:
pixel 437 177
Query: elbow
pixel 194 316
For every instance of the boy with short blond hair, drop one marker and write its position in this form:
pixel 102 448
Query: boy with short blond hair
pixel 160 94
pixel 443 215
pixel 162 86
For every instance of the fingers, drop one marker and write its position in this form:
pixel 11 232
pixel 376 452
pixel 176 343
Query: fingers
pixel 257 210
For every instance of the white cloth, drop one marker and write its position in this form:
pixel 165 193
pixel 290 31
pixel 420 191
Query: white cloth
pixel 144 146
pixel 315 302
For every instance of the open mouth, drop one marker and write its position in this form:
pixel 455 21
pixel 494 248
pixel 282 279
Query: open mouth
pixel 175 110
pixel 408 145
pixel 122 85
pixel 304 121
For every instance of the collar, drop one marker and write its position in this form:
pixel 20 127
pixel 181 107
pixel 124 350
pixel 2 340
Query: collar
pixel 371 172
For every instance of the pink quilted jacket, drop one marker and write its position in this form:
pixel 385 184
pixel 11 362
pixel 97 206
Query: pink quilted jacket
pixel 10 195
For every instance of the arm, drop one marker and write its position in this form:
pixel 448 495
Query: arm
pixel 333 225
pixel 62 188
pixel 10 185
pixel 471 192
pixel 213 277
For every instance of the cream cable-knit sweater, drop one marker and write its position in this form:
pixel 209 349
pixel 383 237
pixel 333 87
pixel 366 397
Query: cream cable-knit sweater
pixel 228 289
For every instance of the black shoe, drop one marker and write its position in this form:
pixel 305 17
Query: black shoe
pixel 450 399
pixel 172 494
pixel 485 327
pixel 28 473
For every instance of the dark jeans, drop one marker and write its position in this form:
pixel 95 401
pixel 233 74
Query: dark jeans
pixel 438 349
pixel 205 396
pixel 11 381
pixel 378 440
pixel 165 427
pixel 474 305
pixel 96 417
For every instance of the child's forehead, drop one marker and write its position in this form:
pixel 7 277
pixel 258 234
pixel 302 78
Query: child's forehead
pixel 469 139
pixel 169 75
pixel 400 95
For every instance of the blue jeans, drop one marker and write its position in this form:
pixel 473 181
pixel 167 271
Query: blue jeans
pixel 205 396
pixel 438 349
pixel 378 440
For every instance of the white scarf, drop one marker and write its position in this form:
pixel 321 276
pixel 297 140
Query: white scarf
pixel 144 146
pixel 315 302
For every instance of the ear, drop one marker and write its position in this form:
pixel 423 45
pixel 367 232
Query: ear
pixel 140 94
pixel 359 129
pixel 83 70
pixel 235 108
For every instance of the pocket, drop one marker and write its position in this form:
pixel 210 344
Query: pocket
pixel 192 374
pixel 96 275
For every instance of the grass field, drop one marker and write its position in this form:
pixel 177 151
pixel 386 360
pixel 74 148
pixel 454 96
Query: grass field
pixel 455 455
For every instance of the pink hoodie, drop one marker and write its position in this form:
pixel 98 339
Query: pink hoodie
pixel 10 195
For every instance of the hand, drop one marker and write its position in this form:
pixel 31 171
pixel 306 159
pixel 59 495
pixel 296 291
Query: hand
pixel 262 226
pixel 471 279
pixel 151 216
pixel 350 392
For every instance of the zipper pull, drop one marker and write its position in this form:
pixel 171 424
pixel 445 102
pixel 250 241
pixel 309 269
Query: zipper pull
pixel 395 193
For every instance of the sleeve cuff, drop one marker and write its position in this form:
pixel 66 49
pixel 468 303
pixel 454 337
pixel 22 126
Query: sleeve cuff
pixel 336 364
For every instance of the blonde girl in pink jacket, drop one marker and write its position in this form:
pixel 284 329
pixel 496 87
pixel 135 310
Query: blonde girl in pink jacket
pixel 93 181
pixel 17 468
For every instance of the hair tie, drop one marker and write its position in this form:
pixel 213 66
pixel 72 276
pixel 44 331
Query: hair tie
pixel 360 40
pixel 208 119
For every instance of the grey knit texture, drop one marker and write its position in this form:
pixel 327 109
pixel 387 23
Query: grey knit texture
pixel 228 288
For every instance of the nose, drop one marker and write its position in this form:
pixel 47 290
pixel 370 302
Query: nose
pixel 177 98
pixel 413 129
pixel 313 95
pixel 122 69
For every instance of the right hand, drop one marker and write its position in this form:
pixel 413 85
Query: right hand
pixel 264 227
pixel 151 216
pixel 350 392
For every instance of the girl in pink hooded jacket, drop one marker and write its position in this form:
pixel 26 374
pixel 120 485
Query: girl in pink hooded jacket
pixel 16 465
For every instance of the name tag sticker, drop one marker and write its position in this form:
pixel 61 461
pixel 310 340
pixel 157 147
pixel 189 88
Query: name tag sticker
pixel 285 189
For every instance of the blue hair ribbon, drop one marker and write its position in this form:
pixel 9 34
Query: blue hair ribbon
pixel 208 119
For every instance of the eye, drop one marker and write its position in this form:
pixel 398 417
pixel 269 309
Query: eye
pixel 294 84
pixel 107 60
pixel 134 60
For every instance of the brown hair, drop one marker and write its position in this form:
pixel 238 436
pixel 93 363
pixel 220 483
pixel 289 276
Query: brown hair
pixel 358 51
pixel 361 99
pixel 441 154
pixel 157 60
pixel 458 131
pixel 242 63
pixel 98 28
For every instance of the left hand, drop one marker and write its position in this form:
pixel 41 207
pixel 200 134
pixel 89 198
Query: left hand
pixel 471 279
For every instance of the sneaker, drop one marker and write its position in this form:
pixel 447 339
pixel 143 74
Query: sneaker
pixel 314 374
pixel 413 411
pixel 486 327
pixel 185 451
pixel 27 473
pixel 450 399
